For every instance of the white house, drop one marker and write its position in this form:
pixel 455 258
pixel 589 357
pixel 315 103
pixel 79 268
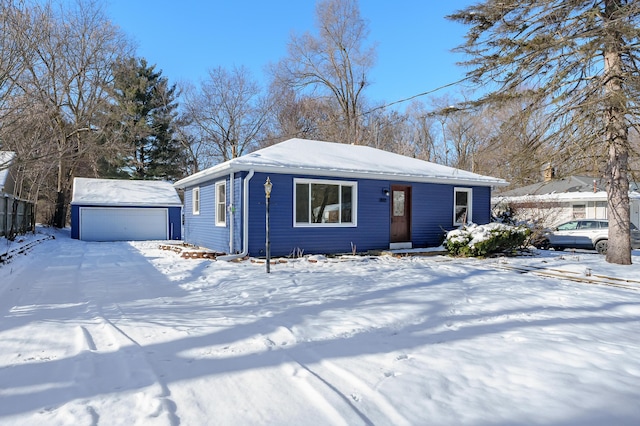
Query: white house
pixel 558 200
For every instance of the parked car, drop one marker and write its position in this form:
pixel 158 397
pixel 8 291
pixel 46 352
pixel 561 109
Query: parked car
pixel 584 234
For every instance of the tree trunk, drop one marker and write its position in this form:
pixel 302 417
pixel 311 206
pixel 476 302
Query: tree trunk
pixel 60 214
pixel 617 138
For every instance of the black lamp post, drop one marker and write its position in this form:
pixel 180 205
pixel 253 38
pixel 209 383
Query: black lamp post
pixel 267 194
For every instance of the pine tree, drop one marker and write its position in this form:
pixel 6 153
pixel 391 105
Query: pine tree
pixel 579 60
pixel 145 113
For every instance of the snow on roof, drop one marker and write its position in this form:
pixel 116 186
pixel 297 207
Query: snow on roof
pixel 571 188
pixel 569 184
pixel 116 192
pixel 331 159
pixel 560 196
pixel 6 159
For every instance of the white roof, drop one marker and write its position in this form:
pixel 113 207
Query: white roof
pixel 561 196
pixel 317 158
pixel 117 192
pixel 6 159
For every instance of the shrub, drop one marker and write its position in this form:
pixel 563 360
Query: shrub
pixel 484 240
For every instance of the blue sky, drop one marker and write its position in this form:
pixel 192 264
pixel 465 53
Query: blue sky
pixel 185 39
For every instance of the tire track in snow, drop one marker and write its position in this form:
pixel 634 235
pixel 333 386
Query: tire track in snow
pixel 332 386
pixel 109 353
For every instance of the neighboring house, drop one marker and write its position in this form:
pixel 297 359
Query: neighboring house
pixel 554 201
pixel 7 172
pixel 125 210
pixel 329 198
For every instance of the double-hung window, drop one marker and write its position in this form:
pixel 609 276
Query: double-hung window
pixel 462 213
pixel 325 203
pixel 195 201
pixel 221 204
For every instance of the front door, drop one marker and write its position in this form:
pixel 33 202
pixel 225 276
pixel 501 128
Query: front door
pixel 400 213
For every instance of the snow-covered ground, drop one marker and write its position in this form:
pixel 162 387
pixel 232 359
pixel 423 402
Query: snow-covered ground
pixel 126 333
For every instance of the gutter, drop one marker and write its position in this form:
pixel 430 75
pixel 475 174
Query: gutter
pixel 245 224
pixel 230 211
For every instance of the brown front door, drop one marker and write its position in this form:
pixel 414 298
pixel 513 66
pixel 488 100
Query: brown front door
pixel 400 213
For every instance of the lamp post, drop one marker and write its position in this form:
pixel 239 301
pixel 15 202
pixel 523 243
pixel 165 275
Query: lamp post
pixel 267 195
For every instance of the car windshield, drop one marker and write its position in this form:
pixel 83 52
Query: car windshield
pixel 568 226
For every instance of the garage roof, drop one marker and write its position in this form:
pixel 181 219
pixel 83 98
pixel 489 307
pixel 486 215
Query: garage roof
pixel 116 192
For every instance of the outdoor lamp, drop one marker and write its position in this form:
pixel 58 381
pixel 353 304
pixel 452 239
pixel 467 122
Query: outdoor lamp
pixel 267 187
pixel 267 193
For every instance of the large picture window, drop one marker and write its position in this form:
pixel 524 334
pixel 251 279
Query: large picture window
pixel 462 213
pixel 221 204
pixel 195 201
pixel 324 203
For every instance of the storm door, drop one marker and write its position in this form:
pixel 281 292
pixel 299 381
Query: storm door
pixel 400 213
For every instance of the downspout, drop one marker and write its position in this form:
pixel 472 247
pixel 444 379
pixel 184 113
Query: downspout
pixel 231 208
pixel 245 220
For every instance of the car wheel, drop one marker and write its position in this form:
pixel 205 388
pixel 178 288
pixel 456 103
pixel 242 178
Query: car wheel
pixel 542 243
pixel 601 246
pixel 558 248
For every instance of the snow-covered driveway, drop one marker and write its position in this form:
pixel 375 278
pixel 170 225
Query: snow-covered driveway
pixel 125 333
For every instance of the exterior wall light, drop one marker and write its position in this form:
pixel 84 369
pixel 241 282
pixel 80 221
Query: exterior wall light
pixel 267 194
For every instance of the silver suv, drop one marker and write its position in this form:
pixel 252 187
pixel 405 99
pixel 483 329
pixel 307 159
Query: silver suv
pixel 586 234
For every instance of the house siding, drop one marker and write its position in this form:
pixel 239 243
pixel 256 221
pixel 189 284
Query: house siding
pixel 431 216
pixel 372 230
pixel 201 229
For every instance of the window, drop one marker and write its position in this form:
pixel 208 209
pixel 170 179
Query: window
pixel 569 226
pixel 579 211
pixel 221 204
pixel 324 203
pixel 462 206
pixel 195 200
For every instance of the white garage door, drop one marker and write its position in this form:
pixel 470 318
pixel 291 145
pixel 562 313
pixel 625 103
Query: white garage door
pixel 123 224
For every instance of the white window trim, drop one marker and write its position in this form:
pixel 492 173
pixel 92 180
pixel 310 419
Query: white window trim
pixel 354 203
pixel 195 201
pixel 218 201
pixel 469 192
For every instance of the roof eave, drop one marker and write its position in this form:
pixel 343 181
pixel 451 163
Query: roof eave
pixel 227 168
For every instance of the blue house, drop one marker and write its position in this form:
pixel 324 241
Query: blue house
pixel 125 210
pixel 329 198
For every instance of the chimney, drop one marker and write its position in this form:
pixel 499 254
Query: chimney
pixel 549 173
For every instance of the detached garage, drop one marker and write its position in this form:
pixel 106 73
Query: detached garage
pixel 125 210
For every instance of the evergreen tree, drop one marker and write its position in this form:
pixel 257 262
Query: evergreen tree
pixel 145 113
pixel 579 61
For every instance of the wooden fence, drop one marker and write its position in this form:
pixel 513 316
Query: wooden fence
pixel 16 216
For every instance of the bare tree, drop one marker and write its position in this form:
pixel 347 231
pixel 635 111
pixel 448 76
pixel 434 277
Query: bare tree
pixel 229 112
pixel 335 63
pixel 64 80
pixel 579 59
pixel 421 136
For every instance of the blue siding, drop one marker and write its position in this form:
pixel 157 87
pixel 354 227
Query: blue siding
pixel 481 209
pixel 201 229
pixel 372 231
pixel 175 223
pixel 432 216
pixel 75 222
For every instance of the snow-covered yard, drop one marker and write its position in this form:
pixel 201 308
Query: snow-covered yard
pixel 126 333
